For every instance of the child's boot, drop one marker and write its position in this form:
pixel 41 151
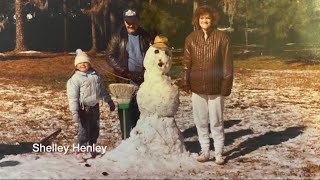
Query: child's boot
pixel 79 157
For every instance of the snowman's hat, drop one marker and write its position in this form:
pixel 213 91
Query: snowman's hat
pixel 161 42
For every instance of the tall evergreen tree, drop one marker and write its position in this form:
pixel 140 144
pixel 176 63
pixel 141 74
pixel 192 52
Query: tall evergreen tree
pixel 20 34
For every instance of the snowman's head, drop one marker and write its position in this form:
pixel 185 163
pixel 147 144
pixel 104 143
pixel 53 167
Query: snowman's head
pixel 158 60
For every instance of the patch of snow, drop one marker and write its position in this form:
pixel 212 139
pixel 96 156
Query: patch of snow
pixel 272 132
pixel 29 52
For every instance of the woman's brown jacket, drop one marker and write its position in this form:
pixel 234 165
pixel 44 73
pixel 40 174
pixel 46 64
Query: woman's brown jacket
pixel 208 64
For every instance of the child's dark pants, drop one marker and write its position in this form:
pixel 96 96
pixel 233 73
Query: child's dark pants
pixel 89 125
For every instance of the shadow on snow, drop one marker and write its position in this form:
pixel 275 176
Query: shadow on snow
pixel 12 149
pixel 194 146
pixel 8 163
pixel 247 146
pixel 268 138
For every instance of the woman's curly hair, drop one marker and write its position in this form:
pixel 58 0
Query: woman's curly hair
pixel 202 10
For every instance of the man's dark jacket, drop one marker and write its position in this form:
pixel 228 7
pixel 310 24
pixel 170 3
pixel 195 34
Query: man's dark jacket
pixel 117 55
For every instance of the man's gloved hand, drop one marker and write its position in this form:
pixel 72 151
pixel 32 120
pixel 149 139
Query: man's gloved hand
pixel 112 106
pixel 126 74
pixel 76 117
pixel 136 77
pixel 184 86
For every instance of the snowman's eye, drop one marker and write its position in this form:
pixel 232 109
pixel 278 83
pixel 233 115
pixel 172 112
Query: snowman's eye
pixel 167 53
pixel 156 51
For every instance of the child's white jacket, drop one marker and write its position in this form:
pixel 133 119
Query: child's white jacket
pixel 86 89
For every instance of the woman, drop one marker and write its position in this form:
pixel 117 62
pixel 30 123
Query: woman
pixel 208 73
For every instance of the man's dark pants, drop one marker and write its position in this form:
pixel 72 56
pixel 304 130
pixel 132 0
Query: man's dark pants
pixel 132 115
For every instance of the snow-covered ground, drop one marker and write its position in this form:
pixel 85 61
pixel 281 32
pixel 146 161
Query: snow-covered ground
pixel 272 127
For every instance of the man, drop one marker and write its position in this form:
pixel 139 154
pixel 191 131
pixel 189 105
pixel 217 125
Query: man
pixel 125 54
pixel 208 73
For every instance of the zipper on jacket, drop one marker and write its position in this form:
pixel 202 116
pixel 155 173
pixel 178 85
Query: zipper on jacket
pixel 203 75
pixel 202 67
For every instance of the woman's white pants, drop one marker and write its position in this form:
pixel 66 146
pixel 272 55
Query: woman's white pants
pixel 209 109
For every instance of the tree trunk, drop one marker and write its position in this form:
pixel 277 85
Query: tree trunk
pixel 20 43
pixel 65 13
pixel 107 27
pixel 246 31
pixel 195 5
pixel 93 49
pixel 113 23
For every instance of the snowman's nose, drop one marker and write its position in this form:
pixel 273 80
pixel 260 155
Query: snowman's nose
pixel 160 64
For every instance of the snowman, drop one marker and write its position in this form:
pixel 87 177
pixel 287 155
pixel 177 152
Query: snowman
pixel 158 95
pixel 156 133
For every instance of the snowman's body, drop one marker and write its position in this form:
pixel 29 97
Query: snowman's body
pixel 156 133
pixel 158 94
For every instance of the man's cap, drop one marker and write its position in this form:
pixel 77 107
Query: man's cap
pixel 130 14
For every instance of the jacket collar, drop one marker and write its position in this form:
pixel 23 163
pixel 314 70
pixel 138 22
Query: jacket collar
pixel 209 31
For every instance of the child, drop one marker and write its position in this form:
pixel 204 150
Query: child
pixel 84 90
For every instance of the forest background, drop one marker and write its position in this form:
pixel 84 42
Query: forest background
pixel 260 27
